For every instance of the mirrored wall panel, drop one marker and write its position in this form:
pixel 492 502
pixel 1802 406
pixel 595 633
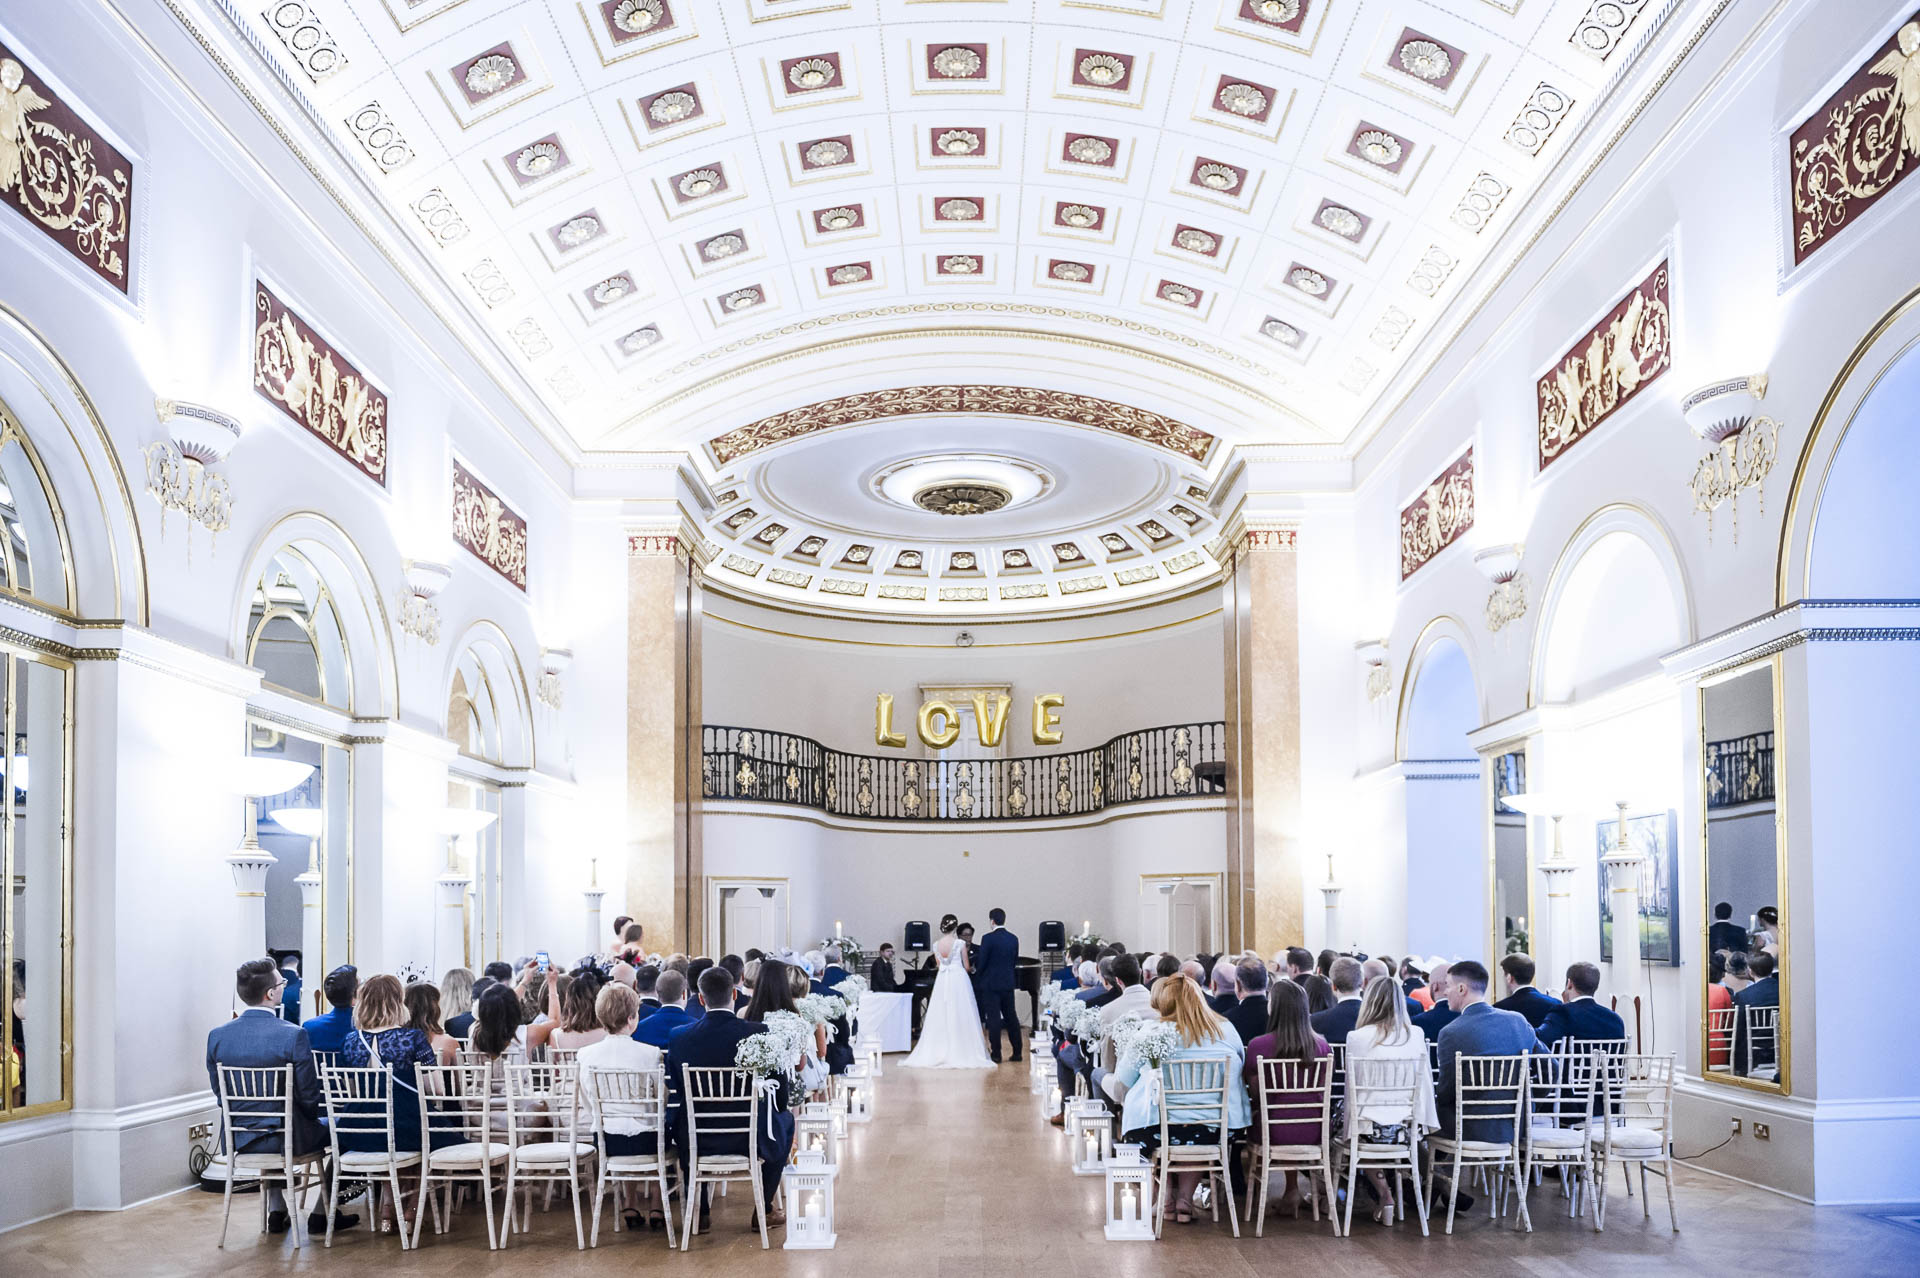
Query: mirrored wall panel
pixel 1744 1037
pixel 1512 878
pixel 36 931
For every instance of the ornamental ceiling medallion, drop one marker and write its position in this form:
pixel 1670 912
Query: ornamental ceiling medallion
pixel 488 527
pixel 318 387
pixel 1860 144
pixel 962 499
pixel 66 178
pixel 1438 517
pixel 1013 401
pixel 1622 354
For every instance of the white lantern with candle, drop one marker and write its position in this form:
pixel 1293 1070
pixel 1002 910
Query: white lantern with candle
pixel 808 1185
pixel 1090 1136
pixel 857 1085
pixel 1129 1181
pixel 1053 1100
pixel 813 1130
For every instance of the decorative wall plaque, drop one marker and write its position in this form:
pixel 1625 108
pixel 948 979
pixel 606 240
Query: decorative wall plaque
pixel 1623 354
pixel 67 179
pixel 489 528
pixel 1860 144
pixel 1438 517
pixel 317 387
pixel 1014 401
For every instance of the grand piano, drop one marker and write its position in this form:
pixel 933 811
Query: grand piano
pixel 1028 976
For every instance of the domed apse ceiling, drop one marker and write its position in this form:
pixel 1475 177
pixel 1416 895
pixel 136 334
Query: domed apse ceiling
pixel 658 210
pixel 1018 516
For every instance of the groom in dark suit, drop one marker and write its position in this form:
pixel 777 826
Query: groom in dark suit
pixel 999 949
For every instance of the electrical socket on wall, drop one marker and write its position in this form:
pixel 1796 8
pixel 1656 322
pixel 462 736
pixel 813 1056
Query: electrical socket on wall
pixel 1736 1127
pixel 1762 1132
pixel 200 1131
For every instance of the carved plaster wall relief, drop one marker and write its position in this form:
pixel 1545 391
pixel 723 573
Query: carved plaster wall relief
pixel 67 179
pixel 1438 517
pixel 1863 141
pixel 1622 355
pixel 317 387
pixel 488 527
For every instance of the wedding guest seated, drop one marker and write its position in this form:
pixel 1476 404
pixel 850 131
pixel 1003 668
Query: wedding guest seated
pixel 1165 965
pixel 1289 1036
pixel 1323 963
pixel 1739 972
pixel 1194 970
pixel 1248 1015
pixel 633 943
pixel 1338 1021
pixel 646 986
pixel 1764 992
pixel 1319 993
pixel 835 972
pixel 1383 1032
pixel 329 1032
pixel 1064 976
pixel 1383 966
pixel 500 972
pixel 710 1042
pixel 570 1023
pixel 1441 1014
pixel 694 968
pixel 423 1014
pixel 1579 1015
pixel 1221 999
pixel 289 963
pixel 1518 970
pixel 382 1037
pixel 456 1001
pixel 1093 987
pixel 1719 999
pixel 1480 1029
pixel 672 1017
pixel 1299 964
pixel 754 954
pixel 497 1039
pixel 1123 991
pixel 1725 934
pixel 1202 1034
pixel 1414 982
pixel 883 977
pixel 259 1038
pixel 618 1010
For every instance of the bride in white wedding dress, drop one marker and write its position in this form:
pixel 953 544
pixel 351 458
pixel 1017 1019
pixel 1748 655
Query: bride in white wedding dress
pixel 950 1035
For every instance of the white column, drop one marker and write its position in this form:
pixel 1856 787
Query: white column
pixel 250 865
pixel 1623 906
pixel 312 966
pixel 449 920
pixel 1558 954
pixel 1330 901
pixel 595 941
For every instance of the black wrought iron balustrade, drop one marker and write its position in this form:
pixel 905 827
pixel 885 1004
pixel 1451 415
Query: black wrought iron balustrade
pixel 1740 770
pixel 761 766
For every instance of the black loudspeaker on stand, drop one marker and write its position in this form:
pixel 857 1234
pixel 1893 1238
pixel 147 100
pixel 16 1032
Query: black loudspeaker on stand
pixel 918 935
pixel 1053 935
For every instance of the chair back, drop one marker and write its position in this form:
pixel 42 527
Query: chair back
pixel 322 1059
pixel 1337 1058
pixel 1382 1087
pixel 562 1055
pixel 1193 1090
pixel 1488 1089
pixel 455 1103
pixel 464 1055
pixel 359 1103
pixel 256 1106
pixel 1560 1087
pixel 542 1103
pixel 1720 1038
pixel 1763 1033
pixel 721 1100
pixel 637 1096
pixel 1639 1091
pixel 1295 1092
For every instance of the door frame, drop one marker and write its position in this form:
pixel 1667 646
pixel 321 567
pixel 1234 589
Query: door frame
pixel 714 885
pixel 1217 880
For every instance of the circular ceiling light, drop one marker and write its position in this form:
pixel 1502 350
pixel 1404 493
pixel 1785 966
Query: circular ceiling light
pixel 851 274
pixel 1072 272
pixel 838 219
pixel 959 210
pixel 1310 282
pixel 722 246
pixel 960 264
pixel 961 483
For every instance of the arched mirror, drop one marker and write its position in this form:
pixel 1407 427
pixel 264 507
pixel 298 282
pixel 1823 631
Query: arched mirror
pixel 473 725
pixel 1511 877
pixel 38 561
pixel 1743 1034
pixel 294 637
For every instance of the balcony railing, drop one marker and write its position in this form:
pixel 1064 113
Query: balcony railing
pixel 1740 770
pixel 760 766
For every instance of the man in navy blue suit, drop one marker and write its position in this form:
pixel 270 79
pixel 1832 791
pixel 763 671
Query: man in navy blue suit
pixel 1764 992
pixel 329 1033
pixel 259 1039
pixel 834 973
pixel 710 1042
pixel 672 1016
pixel 1579 1016
pixel 999 949
pixel 1522 997
pixel 1441 1015
pixel 1337 1021
pixel 1480 1029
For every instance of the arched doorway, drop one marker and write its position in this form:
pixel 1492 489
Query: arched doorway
pixel 490 722
pixel 1446 863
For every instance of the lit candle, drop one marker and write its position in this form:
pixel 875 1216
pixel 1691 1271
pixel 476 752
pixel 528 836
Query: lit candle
pixel 813 1209
pixel 836 927
pixel 1086 926
pixel 1130 1204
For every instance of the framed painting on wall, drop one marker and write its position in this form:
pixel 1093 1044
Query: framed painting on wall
pixel 1655 836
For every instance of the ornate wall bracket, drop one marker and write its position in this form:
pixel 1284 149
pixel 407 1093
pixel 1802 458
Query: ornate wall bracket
pixel 1373 654
pixel 418 617
pixel 551 689
pixel 1740 461
pixel 1508 602
pixel 178 468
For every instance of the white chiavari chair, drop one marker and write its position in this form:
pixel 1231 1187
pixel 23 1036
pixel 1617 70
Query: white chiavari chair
pixel 1381 1087
pixel 256 1111
pixel 1295 1093
pixel 1560 1090
pixel 543 1138
pixel 638 1097
pixel 1720 1039
pixel 1763 1039
pixel 1194 1091
pixel 360 1105
pixel 456 1110
pixel 1636 1130
pixel 722 1105
pixel 1486 1089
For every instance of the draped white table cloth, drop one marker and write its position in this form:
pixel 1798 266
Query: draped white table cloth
pixel 890 1018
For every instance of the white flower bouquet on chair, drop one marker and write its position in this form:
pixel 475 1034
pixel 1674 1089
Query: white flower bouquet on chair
pixel 1153 1043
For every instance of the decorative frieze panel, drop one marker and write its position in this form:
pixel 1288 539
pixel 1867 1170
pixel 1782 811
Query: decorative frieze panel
pixel 1606 22
pixel 1013 401
pixel 488 527
pixel 1438 517
pixel 307 39
pixel 1616 360
pixel 62 175
pixel 316 386
pixel 1860 144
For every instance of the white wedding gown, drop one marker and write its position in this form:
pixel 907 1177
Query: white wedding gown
pixel 950 1036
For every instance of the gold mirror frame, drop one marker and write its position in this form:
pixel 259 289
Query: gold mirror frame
pixel 1783 1045
pixel 1489 787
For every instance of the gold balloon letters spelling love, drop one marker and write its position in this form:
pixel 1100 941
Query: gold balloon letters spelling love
pixel 938 723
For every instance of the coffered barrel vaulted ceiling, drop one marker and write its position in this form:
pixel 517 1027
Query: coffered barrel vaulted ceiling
pixel 679 218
